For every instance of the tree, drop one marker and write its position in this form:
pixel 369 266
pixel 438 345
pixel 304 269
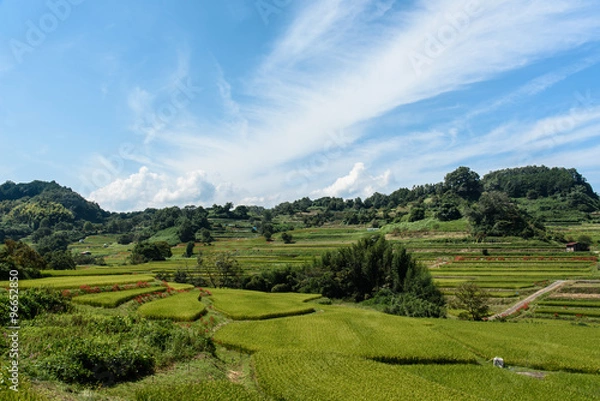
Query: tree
pixel 377 268
pixel 464 182
pixel 473 299
pixel 416 213
pixel 60 260
pixel 189 249
pixel 55 242
pixel 125 239
pixel 222 269
pixel 17 255
pixel 150 251
pixel 287 238
pixel 448 212
pixel 496 215
pixel 267 234
pixel 186 231
pixel 88 227
pixel 585 241
pixel 205 236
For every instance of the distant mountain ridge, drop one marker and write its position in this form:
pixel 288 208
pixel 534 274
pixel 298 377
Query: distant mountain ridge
pixel 547 194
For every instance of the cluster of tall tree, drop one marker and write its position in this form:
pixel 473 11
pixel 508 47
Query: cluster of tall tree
pixel 373 268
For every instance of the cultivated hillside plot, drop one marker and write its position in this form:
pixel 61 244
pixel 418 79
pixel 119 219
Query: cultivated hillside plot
pixel 249 305
pixel 184 307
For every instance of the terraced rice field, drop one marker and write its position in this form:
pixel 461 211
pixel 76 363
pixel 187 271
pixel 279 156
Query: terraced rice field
pixel 180 307
pixel 341 353
pixel 350 331
pixel 78 281
pixel 545 344
pixel 522 273
pixel 300 376
pixel 576 301
pixel 116 298
pixel 251 305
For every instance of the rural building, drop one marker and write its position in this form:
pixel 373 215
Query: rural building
pixel 574 247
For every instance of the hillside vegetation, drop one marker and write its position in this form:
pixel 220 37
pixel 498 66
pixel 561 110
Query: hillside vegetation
pixel 311 299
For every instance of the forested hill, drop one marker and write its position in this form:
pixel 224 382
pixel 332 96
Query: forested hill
pixel 534 182
pixel 27 207
pixel 526 197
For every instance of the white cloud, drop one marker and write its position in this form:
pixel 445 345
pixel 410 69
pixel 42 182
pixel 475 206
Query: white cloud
pixel 357 183
pixel 341 64
pixel 147 189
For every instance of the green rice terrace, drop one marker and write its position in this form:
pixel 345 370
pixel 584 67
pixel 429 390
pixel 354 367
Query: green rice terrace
pixel 249 345
pixel 410 296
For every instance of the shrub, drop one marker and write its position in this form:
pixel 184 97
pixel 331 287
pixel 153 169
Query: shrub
pixel 34 302
pixel 287 238
pixel 89 260
pixel 60 260
pixel 146 251
pixel 87 361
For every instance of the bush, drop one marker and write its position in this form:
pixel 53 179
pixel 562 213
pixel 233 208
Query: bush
pixel 147 251
pixel 125 239
pixel 34 302
pixel 60 260
pixel 104 350
pixel 87 361
pixel 416 213
pixel 89 260
pixel 287 238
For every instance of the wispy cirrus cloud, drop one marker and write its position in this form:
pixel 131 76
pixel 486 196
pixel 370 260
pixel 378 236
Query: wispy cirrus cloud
pixel 341 64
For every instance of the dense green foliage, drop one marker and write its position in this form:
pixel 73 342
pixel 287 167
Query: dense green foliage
pixel 97 349
pixel 496 215
pixel 16 255
pixel 464 182
pixel 39 209
pixel 150 251
pixel 372 265
pixel 33 302
pixel 534 181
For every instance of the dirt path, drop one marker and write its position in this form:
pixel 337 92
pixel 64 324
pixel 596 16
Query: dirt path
pixel 554 286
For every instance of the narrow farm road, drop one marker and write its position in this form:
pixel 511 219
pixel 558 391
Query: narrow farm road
pixel 554 286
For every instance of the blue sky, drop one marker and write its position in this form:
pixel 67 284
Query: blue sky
pixel 141 104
